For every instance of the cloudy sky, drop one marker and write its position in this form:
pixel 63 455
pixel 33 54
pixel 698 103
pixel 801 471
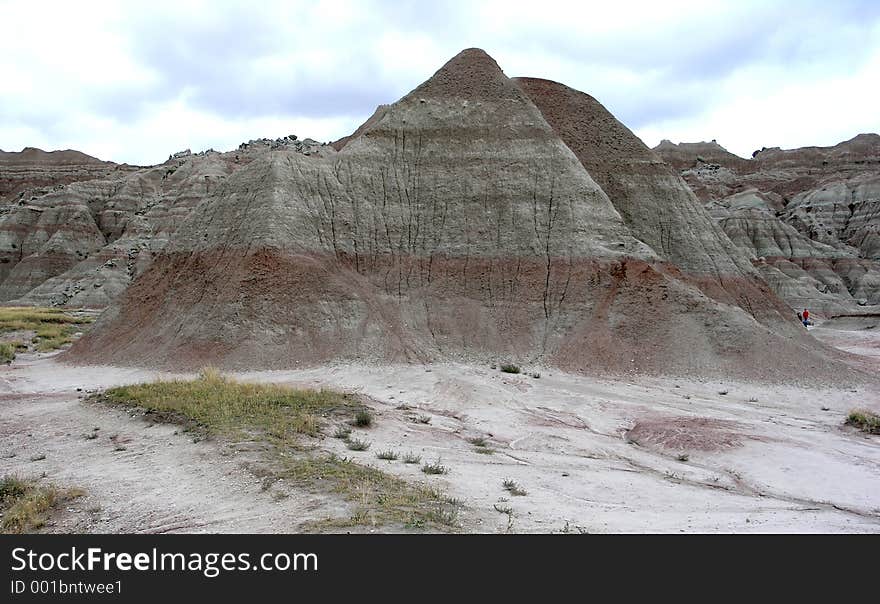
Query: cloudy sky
pixel 135 81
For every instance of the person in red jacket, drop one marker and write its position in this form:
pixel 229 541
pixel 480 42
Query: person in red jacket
pixel 806 316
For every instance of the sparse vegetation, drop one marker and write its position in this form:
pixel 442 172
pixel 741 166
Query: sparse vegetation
pixel 536 375
pixel 509 368
pixel 422 419
pixel 52 327
pixel 412 458
pixel 513 488
pixel 481 445
pixel 683 457
pixel 864 420
pixel 7 352
pixel 342 432
pixel 26 505
pixel 281 415
pixel 224 406
pixel 387 455
pixel 356 444
pixel 380 497
pixel 435 468
pixel 363 418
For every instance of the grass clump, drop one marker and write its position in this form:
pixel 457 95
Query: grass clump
pixel 509 368
pixel 355 444
pixel 363 419
pixel 412 458
pixel 481 445
pixel 279 415
pixel 224 406
pixel 7 352
pixel 26 505
pixel 387 455
pixel 513 488
pixel 380 498
pixel 864 420
pixel 52 327
pixel 342 432
pixel 435 468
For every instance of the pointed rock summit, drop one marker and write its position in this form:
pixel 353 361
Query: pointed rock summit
pixel 460 223
pixel 472 75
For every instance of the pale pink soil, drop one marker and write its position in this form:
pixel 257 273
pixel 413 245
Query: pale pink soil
pixel 594 455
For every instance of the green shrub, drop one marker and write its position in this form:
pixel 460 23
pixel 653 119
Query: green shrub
pixel 363 419
pixel 864 420
pixel 7 352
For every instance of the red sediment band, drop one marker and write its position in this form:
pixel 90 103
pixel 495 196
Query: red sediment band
pixel 268 308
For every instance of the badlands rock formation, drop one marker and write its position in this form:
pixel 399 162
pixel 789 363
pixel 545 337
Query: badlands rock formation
pixel 809 218
pixel 83 244
pixel 32 172
pixel 477 218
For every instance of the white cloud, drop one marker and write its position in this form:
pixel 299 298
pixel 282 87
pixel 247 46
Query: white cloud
pixel 135 82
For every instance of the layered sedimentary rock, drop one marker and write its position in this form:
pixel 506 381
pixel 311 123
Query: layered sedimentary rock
pixel 652 198
pixel 32 172
pixel 809 217
pixel 82 244
pixel 456 224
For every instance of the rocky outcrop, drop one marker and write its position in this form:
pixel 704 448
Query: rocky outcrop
pixel 84 243
pixel 457 224
pixel 32 172
pixel 809 217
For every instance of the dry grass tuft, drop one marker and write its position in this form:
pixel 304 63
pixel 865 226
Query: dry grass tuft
pixel 279 414
pixel 26 505
pixel 225 406
pixel 864 420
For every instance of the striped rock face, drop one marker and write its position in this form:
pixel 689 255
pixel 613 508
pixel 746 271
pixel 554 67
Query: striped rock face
pixel 809 218
pixel 30 172
pixel 460 223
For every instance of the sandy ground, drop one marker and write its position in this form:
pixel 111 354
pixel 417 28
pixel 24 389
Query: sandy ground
pixel 594 455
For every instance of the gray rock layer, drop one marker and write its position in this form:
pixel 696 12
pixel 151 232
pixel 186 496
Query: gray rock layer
pixel 810 218
pixel 456 225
